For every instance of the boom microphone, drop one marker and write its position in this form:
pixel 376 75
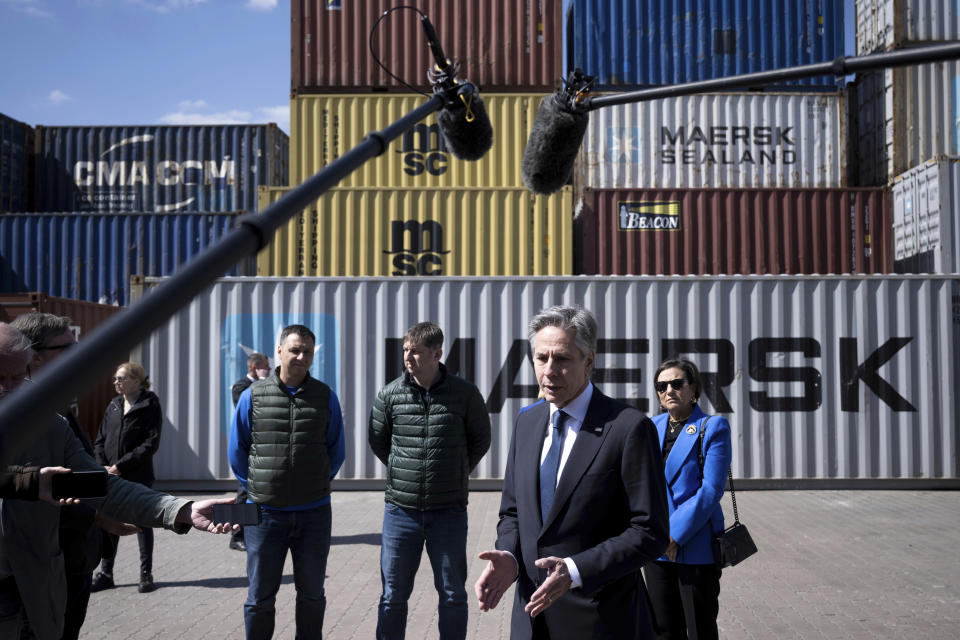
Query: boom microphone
pixel 555 138
pixel 463 120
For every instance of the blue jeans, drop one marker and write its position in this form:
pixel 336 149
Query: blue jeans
pixel 404 533
pixel 307 535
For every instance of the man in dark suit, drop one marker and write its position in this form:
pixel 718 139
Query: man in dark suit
pixel 583 506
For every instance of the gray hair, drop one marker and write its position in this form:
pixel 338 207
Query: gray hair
pixel 41 327
pixel 14 343
pixel 581 321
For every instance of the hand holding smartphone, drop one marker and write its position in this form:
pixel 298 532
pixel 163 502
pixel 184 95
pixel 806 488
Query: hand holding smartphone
pixel 79 484
pixel 246 513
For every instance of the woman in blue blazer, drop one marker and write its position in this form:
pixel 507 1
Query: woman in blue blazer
pixel 684 583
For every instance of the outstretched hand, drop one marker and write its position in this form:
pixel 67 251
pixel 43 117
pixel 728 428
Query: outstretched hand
pixel 496 578
pixel 556 584
pixel 200 516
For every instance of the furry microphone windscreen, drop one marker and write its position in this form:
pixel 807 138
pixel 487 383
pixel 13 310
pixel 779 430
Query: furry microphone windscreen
pixel 552 147
pixel 466 139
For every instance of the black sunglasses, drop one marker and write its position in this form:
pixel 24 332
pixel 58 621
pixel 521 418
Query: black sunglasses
pixel 676 384
pixel 55 347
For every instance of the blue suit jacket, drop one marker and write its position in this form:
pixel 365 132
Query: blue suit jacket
pixel 695 512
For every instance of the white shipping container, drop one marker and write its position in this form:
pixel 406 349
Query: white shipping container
pixel 822 378
pixel 906 116
pixel 926 202
pixel 717 140
pixel 885 24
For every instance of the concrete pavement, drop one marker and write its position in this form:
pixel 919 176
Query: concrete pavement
pixel 832 564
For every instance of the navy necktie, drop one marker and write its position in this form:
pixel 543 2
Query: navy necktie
pixel 551 465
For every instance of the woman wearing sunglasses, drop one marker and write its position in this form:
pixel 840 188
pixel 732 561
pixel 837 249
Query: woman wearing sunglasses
pixel 129 436
pixel 684 583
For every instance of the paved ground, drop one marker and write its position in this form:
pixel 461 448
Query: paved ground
pixel 832 564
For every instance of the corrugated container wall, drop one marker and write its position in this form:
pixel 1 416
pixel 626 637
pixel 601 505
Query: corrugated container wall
pixel 16 146
pixel 325 127
pixel 85 317
pixel 92 256
pixel 735 231
pixel 906 116
pixel 400 232
pixel 927 215
pixel 718 140
pixel 502 45
pixel 158 168
pixel 820 377
pixel 887 24
pixel 662 42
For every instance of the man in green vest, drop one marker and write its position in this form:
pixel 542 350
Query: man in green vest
pixel 430 428
pixel 286 445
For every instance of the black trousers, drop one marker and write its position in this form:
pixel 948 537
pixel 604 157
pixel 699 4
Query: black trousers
pixel 684 600
pixel 108 551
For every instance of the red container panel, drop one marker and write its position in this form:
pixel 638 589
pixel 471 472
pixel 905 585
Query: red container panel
pixel 85 317
pixel 502 45
pixel 735 231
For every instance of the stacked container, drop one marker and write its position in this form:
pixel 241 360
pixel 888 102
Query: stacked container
pixel 739 182
pixel 417 209
pixel 908 122
pixel 16 144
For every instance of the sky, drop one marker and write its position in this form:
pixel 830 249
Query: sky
pixel 140 62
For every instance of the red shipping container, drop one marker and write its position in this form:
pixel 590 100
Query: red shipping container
pixel 84 316
pixel 502 45
pixel 734 231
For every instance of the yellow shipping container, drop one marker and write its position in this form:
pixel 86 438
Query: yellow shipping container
pixel 436 232
pixel 324 127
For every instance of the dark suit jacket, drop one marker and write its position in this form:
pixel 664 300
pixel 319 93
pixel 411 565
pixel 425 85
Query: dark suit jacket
pixel 609 515
pixel 239 387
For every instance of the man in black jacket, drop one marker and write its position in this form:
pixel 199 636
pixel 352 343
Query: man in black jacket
pixel 79 538
pixel 430 428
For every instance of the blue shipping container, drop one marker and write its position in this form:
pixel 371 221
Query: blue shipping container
pixel 662 42
pixel 91 256
pixel 158 168
pixel 16 145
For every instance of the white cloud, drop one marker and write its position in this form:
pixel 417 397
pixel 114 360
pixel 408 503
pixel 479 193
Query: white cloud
pixel 232 116
pixel 279 114
pixel 188 105
pixel 165 6
pixel 58 97
pixel 200 112
pixel 35 8
pixel 262 5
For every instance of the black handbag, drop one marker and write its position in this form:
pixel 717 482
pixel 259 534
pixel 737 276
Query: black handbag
pixel 734 544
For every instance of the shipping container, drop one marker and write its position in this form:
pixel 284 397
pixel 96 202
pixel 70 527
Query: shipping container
pixel 735 231
pixel 717 140
pixel 926 204
pixel 158 168
pixel 822 378
pixel 906 116
pixel 84 318
pixel 16 147
pixel 326 127
pixel 91 256
pixel 883 25
pixel 632 44
pixel 398 232
pixel 502 45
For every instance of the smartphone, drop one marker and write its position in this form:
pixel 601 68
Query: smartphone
pixel 244 513
pixel 79 484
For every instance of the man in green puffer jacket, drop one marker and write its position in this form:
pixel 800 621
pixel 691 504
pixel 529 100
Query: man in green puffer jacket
pixel 430 428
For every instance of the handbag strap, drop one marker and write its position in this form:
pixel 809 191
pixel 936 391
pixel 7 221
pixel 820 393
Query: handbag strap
pixel 733 494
